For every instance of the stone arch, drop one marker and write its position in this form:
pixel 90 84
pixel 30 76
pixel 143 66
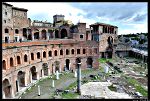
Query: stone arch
pixel 33 73
pixel 89 62
pixel 21 78
pixel 4 65
pixel 25 58
pixel 63 33
pixel 44 54
pixel 18 60
pixel 45 68
pixel 67 64
pixel 36 34
pixel 38 55
pixel 55 52
pixel 44 34
pixel 56 34
pixel 11 62
pixel 7 88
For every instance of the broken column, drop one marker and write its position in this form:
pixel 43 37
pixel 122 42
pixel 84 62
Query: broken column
pixel 57 75
pixel 75 73
pixel 39 90
pixel 79 78
pixel 53 84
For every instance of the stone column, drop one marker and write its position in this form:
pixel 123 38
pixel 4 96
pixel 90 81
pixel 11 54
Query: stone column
pixel 42 73
pixel 37 74
pixel 32 37
pixel 30 76
pixel 47 36
pixel 12 92
pixel 79 79
pixel 75 73
pixel 3 95
pixel 49 73
pixel 53 83
pixel 69 66
pixel 39 90
pixel 25 81
pixel 60 69
pixel 57 75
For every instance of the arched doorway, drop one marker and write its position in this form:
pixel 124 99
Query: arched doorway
pixel 56 34
pixel 45 69
pixel 21 78
pixel 109 51
pixel 7 88
pixel 34 73
pixel 63 33
pixel 4 65
pixel 67 64
pixel 89 62
pixel 36 35
pixel 57 66
pixel 44 34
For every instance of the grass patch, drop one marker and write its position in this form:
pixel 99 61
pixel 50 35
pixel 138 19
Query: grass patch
pixel 103 60
pixel 112 88
pixel 69 95
pixel 138 87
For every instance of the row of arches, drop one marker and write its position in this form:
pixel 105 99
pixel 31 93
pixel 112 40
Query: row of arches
pixel 44 54
pixel 22 76
pixel 50 34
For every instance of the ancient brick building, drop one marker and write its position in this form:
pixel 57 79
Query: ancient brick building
pixel 32 50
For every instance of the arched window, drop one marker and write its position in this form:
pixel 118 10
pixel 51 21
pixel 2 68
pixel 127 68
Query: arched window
pixel 6 30
pixel 32 56
pixel 55 52
pixel 50 53
pixel 11 62
pixel 61 52
pixel 18 60
pixel 67 52
pixel 72 51
pixel 44 54
pixel 16 31
pixel 4 65
pixel 38 55
pixel 84 51
pixel 25 58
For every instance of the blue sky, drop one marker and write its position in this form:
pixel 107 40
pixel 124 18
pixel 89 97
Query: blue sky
pixel 130 17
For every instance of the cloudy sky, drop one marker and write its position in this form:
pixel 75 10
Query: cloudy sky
pixel 129 17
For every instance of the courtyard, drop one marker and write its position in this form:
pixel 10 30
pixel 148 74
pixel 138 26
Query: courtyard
pixel 127 82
